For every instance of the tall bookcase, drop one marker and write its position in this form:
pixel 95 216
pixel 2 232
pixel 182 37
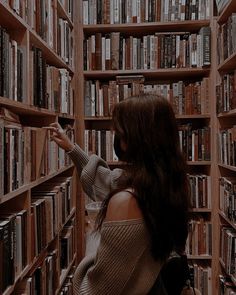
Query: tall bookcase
pixel 100 68
pixel 225 126
pixel 40 231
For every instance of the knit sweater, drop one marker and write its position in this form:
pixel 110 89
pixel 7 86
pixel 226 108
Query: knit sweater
pixel 123 264
pixel 96 178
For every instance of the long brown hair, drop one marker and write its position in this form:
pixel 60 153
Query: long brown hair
pixel 156 170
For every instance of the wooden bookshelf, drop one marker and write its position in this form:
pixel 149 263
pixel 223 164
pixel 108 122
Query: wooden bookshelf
pixel 160 75
pixel 20 200
pixel 225 121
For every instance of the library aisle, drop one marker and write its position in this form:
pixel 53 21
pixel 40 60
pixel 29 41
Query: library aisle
pixel 71 61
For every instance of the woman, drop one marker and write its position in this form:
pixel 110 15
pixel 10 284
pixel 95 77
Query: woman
pixel 145 210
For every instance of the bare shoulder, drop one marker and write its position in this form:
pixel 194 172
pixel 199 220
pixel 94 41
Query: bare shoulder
pixel 123 206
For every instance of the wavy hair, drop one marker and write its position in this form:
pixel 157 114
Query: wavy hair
pixel 155 169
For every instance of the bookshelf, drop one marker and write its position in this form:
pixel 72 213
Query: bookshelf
pixel 225 97
pixel 39 208
pixel 97 119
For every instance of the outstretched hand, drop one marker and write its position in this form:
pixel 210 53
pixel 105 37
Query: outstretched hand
pixel 60 137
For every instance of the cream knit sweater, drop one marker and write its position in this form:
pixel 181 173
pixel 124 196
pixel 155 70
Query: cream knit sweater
pixel 123 263
pixel 96 178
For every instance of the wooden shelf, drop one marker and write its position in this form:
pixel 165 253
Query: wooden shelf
pixel 231 113
pixel 179 117
pixel 31 185
pixel 199 163
pixel 182 117
pixel 200 257
pixel 63 14
pixel 231 168
pixel 162 74
pixel 227 219
pixel 227 11
pixel 11 288
pixel 10 19
pixel 229 64
pixel 201 210
pixel 143 28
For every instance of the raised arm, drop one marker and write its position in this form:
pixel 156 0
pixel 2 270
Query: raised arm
pixel 96 177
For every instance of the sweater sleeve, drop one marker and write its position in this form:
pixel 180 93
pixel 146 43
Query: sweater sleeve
pixel 114 262
pixel 96 177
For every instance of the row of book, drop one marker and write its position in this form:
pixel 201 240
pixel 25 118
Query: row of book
pixel 65 42
pixel 226 93
pixel 47 276
pixel 40 15
pixel 195 143
pixel 113 51
pixel 51 206
pixel 27 153
pixel 51 87
pixel 67 246
pixel 226 41
pixel 200 189
pixel 13 246
pixel 187 98
pixel 100 142
pixel 228 197
pixel 226 286
pixel 12 70
pixel 139 11
pixel 228 250
pixel 201 278
pixel 227 146
pixel 199 241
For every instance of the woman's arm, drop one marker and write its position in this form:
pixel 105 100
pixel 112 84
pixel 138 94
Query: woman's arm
pixel 96 177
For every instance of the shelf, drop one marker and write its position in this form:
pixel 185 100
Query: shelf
pixel 200 257
pixel 10 19
pixel 63 14
pixel 162 74
pixel 150 27
pixel 227 220
pixel 201 210
pixel 227 11
pixel 231 113
pixel 231 168
pixel 31 185
pixel 229 64
pixel 179 117
pixel 198 163
pixel 23 108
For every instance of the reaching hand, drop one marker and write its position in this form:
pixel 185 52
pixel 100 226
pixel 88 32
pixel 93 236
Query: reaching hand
pixel 60 137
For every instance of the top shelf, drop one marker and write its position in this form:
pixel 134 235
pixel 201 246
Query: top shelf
pixel 189 26
pixel 227 11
